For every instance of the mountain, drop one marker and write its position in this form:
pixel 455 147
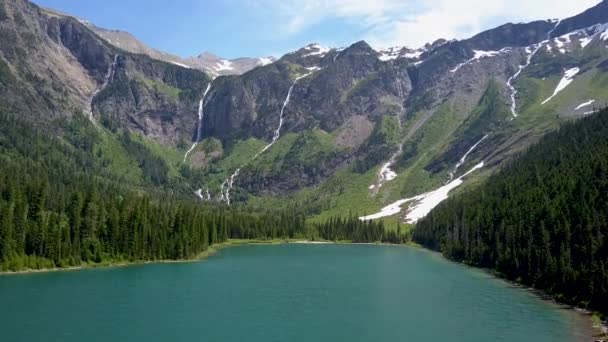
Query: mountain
pixel 211 64
pixel 208 62
pixel 351 129
pixel 541 220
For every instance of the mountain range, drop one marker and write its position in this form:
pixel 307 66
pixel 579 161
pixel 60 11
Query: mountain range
pixel 381 133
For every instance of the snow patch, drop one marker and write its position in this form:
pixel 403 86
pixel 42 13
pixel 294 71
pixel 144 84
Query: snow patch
pixel 564 82
pixel 420 205
pixel 395 52
pixel 415 54
pixel 316 50
pixel 584 104
pixel 479 54
pixel 265 61
pixel 386 174
pixel 224 65
pixel 584 41
pixel 389 54
pixel 181 65
pixel 314 68
pixel 588 33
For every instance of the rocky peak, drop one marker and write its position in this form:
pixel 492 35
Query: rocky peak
pixel 360 47
pixel 590 17
pixel 511 35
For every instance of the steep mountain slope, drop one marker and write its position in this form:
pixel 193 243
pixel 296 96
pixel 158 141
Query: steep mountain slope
pixel 444 98
pixel 541 220
pixel 355 129
pixel 54 66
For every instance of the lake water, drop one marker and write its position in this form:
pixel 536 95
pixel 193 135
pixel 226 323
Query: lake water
pixel 281 293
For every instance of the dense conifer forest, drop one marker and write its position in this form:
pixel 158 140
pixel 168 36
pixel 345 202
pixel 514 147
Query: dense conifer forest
pixel 59 207
pixel 542 220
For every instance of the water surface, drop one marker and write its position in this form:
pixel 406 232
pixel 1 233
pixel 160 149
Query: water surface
pixel 281 293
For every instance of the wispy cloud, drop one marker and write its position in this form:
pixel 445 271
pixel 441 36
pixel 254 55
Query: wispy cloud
pixel 414 22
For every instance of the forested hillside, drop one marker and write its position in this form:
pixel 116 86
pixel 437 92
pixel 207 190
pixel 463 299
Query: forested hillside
pixel 542 220
pixel 60 206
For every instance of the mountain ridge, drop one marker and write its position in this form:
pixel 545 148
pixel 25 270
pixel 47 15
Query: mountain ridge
pixel 298 126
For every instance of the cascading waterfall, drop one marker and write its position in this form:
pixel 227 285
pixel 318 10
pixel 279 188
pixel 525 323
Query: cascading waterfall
pixel 227 186
pixel 521 68
pixel 277 132
pixel 108 79
pixel 229 182
pixel 400 89
pixel 199 127
pixel 203 197
pixel 464 158
pixel 386 173
pixel 531 53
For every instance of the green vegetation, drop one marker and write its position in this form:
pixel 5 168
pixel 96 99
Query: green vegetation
pixel 61 206
pixel 383 142
pixel 491 114
pixel 540 221
pixel 358 86
pixel 163 88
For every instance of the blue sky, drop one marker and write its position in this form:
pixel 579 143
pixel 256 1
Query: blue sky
pixel 257 28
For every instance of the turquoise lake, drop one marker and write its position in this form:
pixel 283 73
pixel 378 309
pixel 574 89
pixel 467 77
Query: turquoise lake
pixel 282 293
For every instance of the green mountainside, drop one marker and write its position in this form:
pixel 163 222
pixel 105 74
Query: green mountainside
pixel 541 220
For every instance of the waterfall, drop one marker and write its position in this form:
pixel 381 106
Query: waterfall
pixel 277 132
pixel 205 197
pixel 400 89
pixel 227 186
pixel 521 68
pixel 464 158
pixel 199 127
pixel 386 173
pixel 108 79
pixel 229 182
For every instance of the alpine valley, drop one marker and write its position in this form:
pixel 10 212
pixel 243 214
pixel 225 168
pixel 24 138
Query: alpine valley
pixel 350 143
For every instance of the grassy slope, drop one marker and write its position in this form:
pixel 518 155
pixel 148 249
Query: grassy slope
pixel 347 191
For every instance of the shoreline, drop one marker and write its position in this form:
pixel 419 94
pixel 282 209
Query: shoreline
pixel 116 264
pixel 201 256
pixel 598 329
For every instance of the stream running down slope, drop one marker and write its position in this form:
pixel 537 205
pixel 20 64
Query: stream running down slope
pixel 531 51
pixel 199 127
pixel 228 183
pixel 108 79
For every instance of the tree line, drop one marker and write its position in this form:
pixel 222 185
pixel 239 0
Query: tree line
pixel 541 221
pixel 59 208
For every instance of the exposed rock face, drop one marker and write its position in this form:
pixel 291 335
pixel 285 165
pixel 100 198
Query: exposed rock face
pixel 58 67
pixel 52 65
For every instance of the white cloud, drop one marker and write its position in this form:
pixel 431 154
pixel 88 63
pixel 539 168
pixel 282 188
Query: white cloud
pixel 414 22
